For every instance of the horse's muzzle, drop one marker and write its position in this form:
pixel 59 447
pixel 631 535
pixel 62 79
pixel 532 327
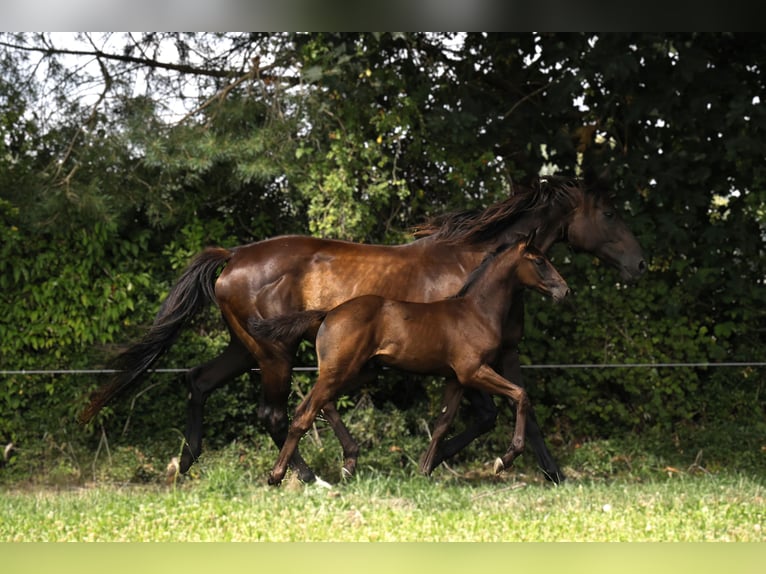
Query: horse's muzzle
pixel 560 294
pixel 633 273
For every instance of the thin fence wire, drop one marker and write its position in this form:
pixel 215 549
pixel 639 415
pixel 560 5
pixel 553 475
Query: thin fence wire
pixel 700 365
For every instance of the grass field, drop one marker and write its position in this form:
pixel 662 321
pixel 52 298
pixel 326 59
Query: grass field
pixel 614 493
pixel 222 505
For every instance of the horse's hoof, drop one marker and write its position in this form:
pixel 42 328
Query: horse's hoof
pixel 346 473
pixel 556 477
pixel 187 460
pixel 499 466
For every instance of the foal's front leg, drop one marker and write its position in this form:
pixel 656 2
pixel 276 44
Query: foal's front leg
pixel 488 380
pixel 453 393
pixel 511 370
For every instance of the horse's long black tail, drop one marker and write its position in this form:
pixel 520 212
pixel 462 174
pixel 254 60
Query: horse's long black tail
pixel 193 291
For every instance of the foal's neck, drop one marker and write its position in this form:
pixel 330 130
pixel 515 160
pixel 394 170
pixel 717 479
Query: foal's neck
pixel 494 291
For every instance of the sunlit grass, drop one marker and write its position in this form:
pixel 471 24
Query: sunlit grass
pixel 373 507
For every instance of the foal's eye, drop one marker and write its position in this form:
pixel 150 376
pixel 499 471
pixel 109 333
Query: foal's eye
pixel 609 214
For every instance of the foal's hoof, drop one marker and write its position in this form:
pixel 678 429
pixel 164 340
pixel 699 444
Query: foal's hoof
pixel 348 470
pixel 274 481
pixel 172 471
pixel 427 465
pixel 499 466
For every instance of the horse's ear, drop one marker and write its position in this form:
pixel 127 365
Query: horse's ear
pixel 597 179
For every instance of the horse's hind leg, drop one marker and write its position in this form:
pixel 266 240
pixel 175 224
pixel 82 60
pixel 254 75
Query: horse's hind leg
pixel 511 370
pixel 272 411
pixel 202 381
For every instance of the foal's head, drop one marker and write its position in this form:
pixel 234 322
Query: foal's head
pixel 535 271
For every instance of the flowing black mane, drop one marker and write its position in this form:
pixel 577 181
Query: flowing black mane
pixel 479 225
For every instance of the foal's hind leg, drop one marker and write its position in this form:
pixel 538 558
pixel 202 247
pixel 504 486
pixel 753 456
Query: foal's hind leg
pixel 484 415
pixel 317 398
pixel 202 381
pixel 453 392
pixel 350 446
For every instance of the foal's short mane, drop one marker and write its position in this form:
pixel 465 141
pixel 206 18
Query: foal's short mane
pixel 474 276
pixel 477 225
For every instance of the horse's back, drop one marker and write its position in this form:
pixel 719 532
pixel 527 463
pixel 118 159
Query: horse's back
pixel 294 273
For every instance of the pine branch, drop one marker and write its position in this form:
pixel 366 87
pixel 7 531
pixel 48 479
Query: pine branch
pixel 150 62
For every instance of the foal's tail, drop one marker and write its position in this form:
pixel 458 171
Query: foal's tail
pixel 287 329
pixel 193 291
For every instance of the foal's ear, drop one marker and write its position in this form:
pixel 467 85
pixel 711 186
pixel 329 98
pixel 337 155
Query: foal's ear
pixel 529 239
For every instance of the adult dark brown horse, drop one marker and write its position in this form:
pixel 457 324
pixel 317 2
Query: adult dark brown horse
pixel 289 274
pixel 458 337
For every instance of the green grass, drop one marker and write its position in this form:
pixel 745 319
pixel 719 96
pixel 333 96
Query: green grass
pixel 618 490
pixel 225 505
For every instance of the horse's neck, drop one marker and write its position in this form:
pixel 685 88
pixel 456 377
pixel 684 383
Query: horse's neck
pixel 549 226
pixel 462 255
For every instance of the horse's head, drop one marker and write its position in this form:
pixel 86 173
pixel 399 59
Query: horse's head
pixel 596 227
pixel 536 272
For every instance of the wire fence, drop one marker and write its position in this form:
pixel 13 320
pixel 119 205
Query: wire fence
pixel 699 365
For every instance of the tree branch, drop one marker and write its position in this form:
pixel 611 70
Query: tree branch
pixel 96 53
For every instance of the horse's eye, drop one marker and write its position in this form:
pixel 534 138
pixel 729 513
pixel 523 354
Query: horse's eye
pixel 539 261
pixel 609 214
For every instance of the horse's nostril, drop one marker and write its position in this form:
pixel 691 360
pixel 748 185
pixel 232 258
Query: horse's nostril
pixel 642 266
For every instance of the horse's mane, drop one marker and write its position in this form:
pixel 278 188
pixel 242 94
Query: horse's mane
pixel 479 225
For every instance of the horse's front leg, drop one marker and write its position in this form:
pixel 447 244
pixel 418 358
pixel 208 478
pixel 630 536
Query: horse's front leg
pixel 202 381
pixel 510 368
